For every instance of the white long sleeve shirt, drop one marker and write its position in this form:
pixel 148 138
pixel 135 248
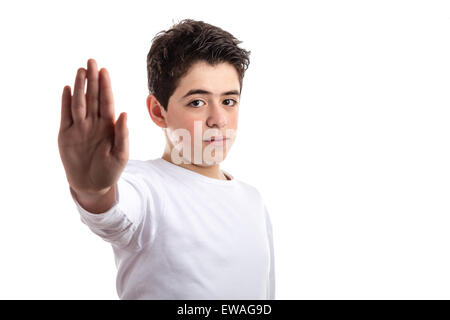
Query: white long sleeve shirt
pixel 177 234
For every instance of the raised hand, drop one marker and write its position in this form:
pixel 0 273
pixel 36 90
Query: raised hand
pixel 94 148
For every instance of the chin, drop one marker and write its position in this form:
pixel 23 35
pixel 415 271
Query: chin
pixel 215 158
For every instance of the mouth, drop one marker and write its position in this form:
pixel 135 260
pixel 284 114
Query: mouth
pixel 219 140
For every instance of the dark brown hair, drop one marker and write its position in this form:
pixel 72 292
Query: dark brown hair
pixel 174 51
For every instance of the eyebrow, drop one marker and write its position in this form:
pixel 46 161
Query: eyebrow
pixel 201 91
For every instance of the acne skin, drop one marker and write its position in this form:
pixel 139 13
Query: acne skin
pixel 201 120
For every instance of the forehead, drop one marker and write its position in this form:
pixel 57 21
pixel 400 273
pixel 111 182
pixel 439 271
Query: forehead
pixel 218 78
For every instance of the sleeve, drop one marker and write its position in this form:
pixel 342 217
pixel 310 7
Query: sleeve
pixel 118 225
pixel 271 280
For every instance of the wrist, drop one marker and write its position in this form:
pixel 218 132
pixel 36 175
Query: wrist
pixel 91 193
pixel 96 202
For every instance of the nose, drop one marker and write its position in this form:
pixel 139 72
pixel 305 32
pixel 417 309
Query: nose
pixel 216 117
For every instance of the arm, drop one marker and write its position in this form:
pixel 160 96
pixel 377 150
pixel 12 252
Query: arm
pixel 119 224
pixel 94 151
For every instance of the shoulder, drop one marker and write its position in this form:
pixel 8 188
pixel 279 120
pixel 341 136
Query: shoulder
pixel 144 177
pixel 145 173
pixel 250 190
pixel 253 193
pixel 135 166
pixel 142 169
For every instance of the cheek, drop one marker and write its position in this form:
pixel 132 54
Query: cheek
pixel 233 120
pixel 187 122
pixel 183 120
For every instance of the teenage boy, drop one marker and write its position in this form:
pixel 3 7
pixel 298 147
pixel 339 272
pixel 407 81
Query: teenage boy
pixel 180 227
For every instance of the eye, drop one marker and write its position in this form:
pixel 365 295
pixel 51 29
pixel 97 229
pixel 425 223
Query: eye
pixel 196 105
pixel 234 102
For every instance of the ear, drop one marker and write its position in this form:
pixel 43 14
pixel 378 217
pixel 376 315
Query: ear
pixel 156 111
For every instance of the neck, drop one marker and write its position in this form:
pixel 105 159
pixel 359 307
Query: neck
pixel 212 171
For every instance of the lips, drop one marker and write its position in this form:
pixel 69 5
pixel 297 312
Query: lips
pixel 217 139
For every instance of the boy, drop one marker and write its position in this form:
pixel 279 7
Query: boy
pixel 180 227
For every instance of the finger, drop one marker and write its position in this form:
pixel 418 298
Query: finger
pixel 106 96
pixel 79 99
pixel 121 144
pixel 66 114
pixel 92 89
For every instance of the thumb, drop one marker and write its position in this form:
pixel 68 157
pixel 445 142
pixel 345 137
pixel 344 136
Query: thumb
pixel 120 149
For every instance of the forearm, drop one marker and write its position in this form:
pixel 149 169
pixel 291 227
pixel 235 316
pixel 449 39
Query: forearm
pixel 98 202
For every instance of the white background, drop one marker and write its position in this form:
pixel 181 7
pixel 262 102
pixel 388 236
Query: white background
pixel 344 128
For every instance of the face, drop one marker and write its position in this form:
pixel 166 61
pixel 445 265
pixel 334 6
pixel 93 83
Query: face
pixel 202 117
